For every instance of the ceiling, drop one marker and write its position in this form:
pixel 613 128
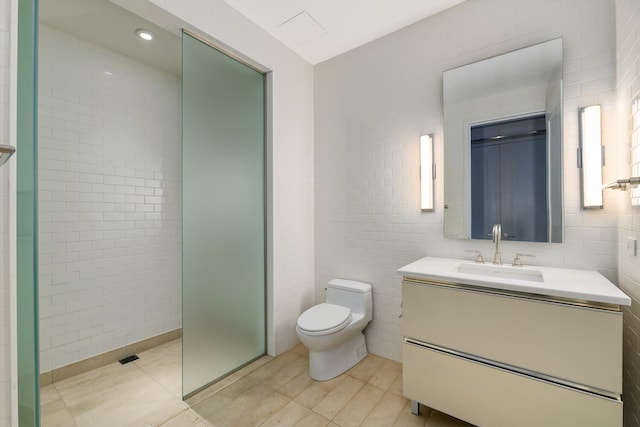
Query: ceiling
pixel 315 29
pixel 321 29
pixel 104 23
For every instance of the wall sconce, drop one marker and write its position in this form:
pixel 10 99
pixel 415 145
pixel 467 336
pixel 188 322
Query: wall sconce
pixel 427 173
pixel 591 157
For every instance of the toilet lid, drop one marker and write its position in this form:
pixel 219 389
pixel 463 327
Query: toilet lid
pixel 324 317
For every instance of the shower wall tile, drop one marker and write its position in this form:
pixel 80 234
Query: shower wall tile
pixel 109 200
pixel 5 349
pixel 628 123
pixel 371 105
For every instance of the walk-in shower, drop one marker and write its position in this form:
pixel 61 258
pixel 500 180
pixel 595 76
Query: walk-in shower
pixel 112 177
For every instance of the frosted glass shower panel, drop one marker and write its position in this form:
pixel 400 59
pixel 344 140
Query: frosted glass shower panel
pixel 223 214
pixel 27 218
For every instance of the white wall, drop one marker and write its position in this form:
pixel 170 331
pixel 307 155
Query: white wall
pixel 371 105
pixel 5 373
pixel 109 200
pixel 291 165
pixel 628 133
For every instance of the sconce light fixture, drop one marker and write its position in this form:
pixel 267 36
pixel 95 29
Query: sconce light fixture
pixel 427 172
pixel 591 157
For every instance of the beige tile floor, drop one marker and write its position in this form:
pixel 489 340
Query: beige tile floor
pixel 269 392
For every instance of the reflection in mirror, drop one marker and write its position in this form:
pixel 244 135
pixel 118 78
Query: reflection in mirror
pixel 507 186
pixel 503 146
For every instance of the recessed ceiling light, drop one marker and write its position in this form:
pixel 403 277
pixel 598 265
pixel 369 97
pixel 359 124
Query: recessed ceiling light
pixel 144 34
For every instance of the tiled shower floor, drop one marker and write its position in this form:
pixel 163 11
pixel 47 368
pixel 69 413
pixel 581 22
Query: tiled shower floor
pixel 269 392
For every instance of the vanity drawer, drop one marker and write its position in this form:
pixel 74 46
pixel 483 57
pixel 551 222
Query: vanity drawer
pixel 575 344
pixel 488 396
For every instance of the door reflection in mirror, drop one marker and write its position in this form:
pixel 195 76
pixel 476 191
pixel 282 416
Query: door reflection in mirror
pixel 508 186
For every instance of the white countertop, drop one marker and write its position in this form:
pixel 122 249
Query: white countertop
pixel 585 285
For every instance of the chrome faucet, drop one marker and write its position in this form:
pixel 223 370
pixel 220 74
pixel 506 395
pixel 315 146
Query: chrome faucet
pixel 497 236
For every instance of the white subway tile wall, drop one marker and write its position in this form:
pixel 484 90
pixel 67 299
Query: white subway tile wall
pixel 628 93
pixel 5 312
pixel 634 122
pixel 373 103
pixel 109 200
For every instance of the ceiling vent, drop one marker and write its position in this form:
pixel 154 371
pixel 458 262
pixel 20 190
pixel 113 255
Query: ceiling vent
pixel 301 29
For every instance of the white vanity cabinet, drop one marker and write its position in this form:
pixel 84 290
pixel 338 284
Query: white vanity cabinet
pixel 497 357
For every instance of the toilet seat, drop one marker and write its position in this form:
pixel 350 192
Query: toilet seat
pixel 324 319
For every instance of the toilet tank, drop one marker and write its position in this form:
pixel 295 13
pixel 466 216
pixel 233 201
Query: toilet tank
pixel 350 293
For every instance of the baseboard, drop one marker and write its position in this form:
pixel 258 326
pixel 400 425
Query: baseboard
pixel 58 374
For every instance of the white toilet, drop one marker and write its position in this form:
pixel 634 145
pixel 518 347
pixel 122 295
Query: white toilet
pixel 332 331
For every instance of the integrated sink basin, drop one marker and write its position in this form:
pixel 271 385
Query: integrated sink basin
pixel 499 272
pixel 566 283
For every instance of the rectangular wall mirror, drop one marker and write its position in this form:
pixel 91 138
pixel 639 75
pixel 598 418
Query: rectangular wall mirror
pixel 503 146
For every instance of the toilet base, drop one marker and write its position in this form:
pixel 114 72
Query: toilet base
pixel 325 365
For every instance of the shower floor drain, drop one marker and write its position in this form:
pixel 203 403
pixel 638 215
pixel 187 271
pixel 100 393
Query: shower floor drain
pixel 128 359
